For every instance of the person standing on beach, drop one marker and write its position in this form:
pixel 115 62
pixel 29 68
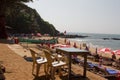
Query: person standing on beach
pixel 96 55
pixel 86 48
pixel 75 59
pixel 113 57
pixel 100 60
pixel 65 41
pixel 75 46
pixel 80 46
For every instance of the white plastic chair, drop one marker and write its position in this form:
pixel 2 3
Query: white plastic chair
pixel 38 62
pixel 53 65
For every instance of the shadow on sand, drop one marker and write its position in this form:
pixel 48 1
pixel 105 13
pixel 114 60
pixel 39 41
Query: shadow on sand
pixel 29 59
pixel 4 41
pixel 43 77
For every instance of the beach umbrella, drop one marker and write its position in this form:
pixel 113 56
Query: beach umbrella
pixel 65 46
pixel 60 45
pixel 56 45
pixel 105 50
pixel 117 52
pixel 39 35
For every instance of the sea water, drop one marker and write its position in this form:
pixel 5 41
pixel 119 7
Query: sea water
pixel 97 40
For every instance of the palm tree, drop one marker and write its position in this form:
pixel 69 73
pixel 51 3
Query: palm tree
pixel 4 5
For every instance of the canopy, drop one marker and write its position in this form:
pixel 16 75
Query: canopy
pixel 105 50
pixel 117 52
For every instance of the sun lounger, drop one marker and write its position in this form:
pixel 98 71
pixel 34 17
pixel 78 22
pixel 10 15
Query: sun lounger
pixel 90 65
pixel 112 74
pixel 105 71
pixel 100 70
pixel 111 71
pixel 76 60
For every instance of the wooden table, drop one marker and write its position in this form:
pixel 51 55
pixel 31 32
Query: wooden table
pixel 71 51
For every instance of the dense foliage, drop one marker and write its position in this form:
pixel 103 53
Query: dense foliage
pixel 24 19
pixel 5 5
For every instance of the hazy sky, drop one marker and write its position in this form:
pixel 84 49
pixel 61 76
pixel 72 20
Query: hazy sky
pixel 88 16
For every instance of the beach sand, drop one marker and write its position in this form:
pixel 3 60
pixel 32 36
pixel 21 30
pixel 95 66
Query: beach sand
pixel 17 68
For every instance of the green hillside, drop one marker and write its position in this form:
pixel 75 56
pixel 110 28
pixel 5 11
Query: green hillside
pixel 24 19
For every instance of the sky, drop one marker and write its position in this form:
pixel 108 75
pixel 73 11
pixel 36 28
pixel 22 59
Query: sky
pixel 87 16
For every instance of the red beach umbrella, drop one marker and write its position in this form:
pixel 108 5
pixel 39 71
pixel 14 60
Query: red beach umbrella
pixel 39 35
pixel 60 45
pixel 105 50
pixel 56 45
pixel 117 52
pixel 64 46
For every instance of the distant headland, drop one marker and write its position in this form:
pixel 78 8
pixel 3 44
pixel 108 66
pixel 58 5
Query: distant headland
pixel 74 36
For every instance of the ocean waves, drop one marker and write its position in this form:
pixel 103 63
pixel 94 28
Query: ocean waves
pixel 96 40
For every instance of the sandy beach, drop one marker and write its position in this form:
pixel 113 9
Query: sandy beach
pixel 17 68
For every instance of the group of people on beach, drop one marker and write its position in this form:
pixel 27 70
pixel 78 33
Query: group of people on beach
pixel 99 58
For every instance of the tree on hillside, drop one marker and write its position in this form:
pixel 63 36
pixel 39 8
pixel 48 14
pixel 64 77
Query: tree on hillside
pixel 4 5
pixel 23 19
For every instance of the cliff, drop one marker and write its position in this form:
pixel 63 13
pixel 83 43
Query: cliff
pixel 23 19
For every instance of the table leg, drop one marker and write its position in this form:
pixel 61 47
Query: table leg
pixel 69 74
pixel 85 65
